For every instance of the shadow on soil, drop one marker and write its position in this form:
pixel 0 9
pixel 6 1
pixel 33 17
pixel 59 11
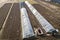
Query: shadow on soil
pixel 57 36
pixel 31 38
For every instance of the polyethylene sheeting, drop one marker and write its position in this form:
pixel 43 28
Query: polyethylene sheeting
pixel 45 24
pixel 27 30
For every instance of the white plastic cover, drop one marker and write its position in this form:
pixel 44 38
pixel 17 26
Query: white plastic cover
pixel 45 24
pixel 27 30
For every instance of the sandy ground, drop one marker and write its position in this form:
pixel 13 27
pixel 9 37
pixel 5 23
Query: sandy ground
pixel 1 4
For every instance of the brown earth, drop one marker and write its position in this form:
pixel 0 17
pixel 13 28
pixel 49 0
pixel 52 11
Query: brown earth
pixel 3 13
pixel 48 15
pixel 50 18
pixel 12 30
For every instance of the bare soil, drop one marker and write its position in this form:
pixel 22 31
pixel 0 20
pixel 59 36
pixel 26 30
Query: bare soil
pixel 3 13
pixel 12 30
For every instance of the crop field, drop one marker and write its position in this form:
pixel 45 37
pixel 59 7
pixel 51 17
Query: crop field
pixel 10 20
